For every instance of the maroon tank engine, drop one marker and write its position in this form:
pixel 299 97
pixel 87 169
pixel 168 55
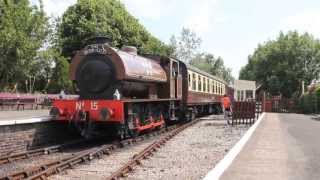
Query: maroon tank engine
pixel 123 93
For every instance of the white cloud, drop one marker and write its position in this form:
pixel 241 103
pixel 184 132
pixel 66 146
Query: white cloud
pixel 55 8
pixel 234 58
pixel 150 9
pixel 307 21
pixel 201 16
pixel 197 15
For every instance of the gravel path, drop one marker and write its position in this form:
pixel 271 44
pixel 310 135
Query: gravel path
pixel 189 155
pixel 192 153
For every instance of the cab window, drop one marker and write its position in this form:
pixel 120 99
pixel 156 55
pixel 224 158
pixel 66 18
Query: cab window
pixel 199 83
pixel 204 84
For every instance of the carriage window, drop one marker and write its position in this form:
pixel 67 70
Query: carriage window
pixel 194 81
pixel 208 85
pixel 222 91
pixel 199 83
pixel 215 87
pixel 204 84
pixel 211 86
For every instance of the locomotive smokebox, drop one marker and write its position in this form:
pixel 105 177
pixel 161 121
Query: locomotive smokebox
pixel 95 74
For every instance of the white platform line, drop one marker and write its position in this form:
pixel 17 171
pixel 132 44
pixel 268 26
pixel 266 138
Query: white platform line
pixel 25 121
pixel 218 170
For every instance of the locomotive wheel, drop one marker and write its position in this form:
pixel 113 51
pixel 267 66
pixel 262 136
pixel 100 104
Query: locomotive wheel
pixel 130 128
pixel 133 133
pixel 191 115
pixel 121 133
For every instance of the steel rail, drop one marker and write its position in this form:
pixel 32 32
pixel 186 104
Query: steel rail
pixel 148 151
pixel 57 166
pixel 37 152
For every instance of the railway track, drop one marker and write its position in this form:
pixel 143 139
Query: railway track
pixel 148 151
pixel 38 152
pixel 54 167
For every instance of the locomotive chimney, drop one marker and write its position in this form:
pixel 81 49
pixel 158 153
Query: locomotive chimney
pixel 130 49
pixel 99 40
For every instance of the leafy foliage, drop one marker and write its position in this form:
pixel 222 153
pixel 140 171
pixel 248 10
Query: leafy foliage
pixel 31 49
pixel 23 30
pixel 86 19
pixel 309 103
pixel 186 48
pixel 212 65
pixel 281 65
pixel 60 75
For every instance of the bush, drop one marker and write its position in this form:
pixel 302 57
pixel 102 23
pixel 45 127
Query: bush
pixel 317 93
pixel 310 102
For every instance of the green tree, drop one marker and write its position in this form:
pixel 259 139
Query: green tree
pixel 215 66
pixel 23 31
pixel 281 65
pixel 186 46
pixel 60 75
pixel 86 19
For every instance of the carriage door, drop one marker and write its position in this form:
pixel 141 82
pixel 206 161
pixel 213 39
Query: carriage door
pixel 175 80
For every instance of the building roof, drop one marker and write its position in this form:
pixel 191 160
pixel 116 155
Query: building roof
pixel 245 84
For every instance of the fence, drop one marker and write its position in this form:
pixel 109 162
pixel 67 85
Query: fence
pixel 279 105
pixel 309 103
pixel 245 112
pixel 10 101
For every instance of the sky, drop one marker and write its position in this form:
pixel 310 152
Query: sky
pixel 231 29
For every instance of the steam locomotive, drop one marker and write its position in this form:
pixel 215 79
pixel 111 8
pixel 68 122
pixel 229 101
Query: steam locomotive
pixel 123 93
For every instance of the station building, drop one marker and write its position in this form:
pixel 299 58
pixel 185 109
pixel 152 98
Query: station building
pixel 244 90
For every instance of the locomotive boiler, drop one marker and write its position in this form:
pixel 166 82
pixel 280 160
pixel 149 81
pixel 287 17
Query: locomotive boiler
pixel 100 71
pixel 124 93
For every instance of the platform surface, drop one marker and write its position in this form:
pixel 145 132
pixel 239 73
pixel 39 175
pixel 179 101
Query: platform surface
pixel 284 146
pixel 21 117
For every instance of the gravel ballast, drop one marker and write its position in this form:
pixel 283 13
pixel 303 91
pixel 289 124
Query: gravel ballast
pixel 188 155
pixel 192 153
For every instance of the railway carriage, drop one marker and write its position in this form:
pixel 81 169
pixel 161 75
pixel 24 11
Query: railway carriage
pixel 204 92
pixel 124 94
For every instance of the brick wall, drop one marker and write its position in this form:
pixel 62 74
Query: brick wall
pixel 17 138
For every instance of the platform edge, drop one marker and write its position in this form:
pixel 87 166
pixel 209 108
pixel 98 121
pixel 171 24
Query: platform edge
pixel 24 121
pixel 223 164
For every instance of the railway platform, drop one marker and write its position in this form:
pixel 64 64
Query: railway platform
pixel 23 117
pixel 281 146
